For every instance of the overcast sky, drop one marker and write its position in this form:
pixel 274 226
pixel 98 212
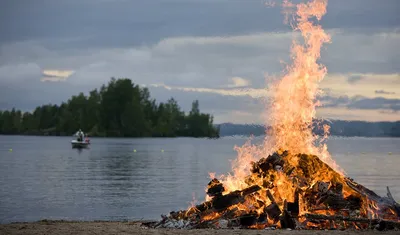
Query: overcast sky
pixel 216 51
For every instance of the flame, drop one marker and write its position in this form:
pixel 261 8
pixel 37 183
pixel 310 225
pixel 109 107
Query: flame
pixel 291 113
pixel 293 106
pixel 292 109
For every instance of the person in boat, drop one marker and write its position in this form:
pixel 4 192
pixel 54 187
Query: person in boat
pixel 80 135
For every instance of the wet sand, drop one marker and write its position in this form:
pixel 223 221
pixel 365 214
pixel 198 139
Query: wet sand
pixel 103 227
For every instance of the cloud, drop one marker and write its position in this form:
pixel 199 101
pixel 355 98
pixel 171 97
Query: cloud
pixel 222 107
pixel 360 102
pixel 354 78
pixel 250 92
pixel 239 82
pixel 384 92
pixel 338 84
pixel 208 61
pixel 56 75
pixel 357 114
pixel 375 103
pixel 120 23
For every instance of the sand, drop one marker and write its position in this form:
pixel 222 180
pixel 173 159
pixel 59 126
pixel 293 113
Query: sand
pixel 103 227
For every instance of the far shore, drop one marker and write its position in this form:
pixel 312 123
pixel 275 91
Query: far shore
pixel 57 227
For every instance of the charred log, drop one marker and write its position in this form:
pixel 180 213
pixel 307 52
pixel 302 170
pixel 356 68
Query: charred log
pixel 384 202
pixel 286 219
pixel 248 220
pixel 223 201
pixel 273 211
pixel 362 190
pixel 293 207
pixel 215 188
pixel 273 161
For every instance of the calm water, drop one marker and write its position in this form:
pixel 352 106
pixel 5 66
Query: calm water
pixel 42 177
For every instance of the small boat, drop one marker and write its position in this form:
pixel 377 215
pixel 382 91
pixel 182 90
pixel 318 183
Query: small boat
pixel 81 141
pixel 79 144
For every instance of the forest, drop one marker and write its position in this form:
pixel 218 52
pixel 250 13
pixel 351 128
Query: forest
pixel 118 109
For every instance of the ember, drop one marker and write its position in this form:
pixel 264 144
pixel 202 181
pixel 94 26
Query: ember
pixel 290 182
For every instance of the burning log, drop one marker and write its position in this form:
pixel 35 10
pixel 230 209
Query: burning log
pixel 294 207
pixel 215 188
pixel 384 202
pixel 332 197
pixel 219 202
pixel 273 211
pixel 248 220
pixel 225 201
pixel 271 162
pixel 286 219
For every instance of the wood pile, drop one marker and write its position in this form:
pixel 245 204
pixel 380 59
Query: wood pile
pixel 290 192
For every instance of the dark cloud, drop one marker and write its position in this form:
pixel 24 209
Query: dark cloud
pixel 360 102
pixel 34 93
pixel 332 101
pixel 354 78
pixel 116 23
pixel 375 103
pixel 384 92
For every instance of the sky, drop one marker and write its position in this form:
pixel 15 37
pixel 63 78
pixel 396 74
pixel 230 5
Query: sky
pixel 221 52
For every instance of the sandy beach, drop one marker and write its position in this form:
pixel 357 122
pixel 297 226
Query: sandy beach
pixel 103 227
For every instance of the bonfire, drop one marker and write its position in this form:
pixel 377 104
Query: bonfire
pixel 290 181
pixel 310 195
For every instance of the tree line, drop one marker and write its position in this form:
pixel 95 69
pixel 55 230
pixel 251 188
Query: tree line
pixel 337 128
pixel 118 109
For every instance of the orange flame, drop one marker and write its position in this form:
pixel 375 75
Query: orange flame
pixel 293 103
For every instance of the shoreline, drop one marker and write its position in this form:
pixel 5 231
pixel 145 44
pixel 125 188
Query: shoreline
pixel 135 227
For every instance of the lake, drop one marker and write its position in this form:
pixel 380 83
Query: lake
pixel 43 177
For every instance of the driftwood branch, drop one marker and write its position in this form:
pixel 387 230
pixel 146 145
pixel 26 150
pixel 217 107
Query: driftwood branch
pixel 396 205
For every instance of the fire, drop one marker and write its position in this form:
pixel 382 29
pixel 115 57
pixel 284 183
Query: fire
pixel 292 109
pixel 290 180
pixel 293 105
